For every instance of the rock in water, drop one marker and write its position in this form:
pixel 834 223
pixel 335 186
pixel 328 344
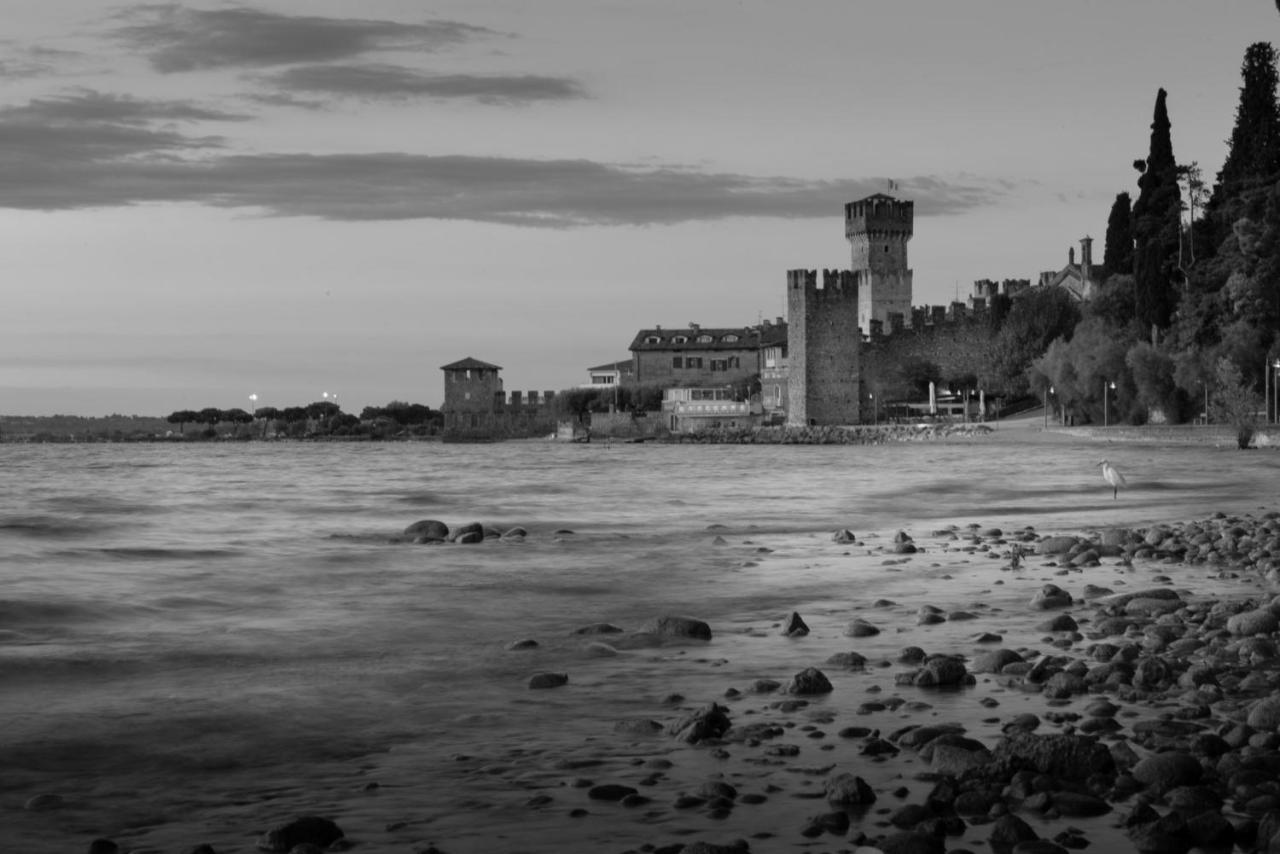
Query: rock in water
pixel 811 680
pixel 472 532
pixel 308 829
pixel 541 681
pixel 795 626
pixel 845 788
pixel 679 627
pixel 427 529
pixel 711 721
pixel 1051 596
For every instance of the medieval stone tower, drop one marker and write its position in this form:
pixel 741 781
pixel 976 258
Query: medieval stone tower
pixel 878 228
pixel 823 341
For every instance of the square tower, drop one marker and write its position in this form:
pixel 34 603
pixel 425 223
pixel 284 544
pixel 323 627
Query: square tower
pixel 878 229
pixel 823 349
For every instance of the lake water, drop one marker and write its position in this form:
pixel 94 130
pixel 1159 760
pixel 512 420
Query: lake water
pixel 200 641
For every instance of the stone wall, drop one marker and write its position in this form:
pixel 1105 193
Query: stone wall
pixel 823 348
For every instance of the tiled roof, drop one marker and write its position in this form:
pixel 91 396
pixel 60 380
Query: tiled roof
pixel 722 338
pixel 470 364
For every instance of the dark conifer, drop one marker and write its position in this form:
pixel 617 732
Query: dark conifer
pixel 1156 226
pixel 1117 256
pixel 1253 152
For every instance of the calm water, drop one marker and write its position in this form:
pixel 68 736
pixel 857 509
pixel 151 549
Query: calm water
pixel 199 641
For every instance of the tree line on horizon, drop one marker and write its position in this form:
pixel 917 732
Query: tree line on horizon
pixel 322 417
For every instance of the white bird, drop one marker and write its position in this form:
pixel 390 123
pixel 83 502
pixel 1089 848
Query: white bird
pixel 1112 475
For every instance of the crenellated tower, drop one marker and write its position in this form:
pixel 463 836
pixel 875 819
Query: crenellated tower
pixel 878 229
pixel 823 341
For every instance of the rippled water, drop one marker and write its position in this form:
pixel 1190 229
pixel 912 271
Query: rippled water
pixel 197 641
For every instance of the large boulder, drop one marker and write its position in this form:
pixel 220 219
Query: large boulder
pixel 1264 715
pixel 310 829
pixel 425 530
pixel 679 627
pixel 845 788
pixel 472 532
pixel 1263 621
pixel 1068 757
pixel 1161 772
pixel 1051 596
pixel 809 681
pixel 709 722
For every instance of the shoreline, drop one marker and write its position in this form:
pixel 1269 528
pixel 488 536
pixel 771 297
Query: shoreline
pixel 984 707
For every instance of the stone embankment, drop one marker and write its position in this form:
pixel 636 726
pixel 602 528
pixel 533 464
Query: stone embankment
pixel 852 435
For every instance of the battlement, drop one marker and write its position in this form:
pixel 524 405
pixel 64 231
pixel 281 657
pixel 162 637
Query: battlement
pixel 835 283
pixel 880 216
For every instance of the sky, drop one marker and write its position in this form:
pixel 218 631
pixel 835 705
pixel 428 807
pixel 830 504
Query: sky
pixel 203 201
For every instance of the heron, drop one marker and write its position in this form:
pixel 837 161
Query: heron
pixel 1112 475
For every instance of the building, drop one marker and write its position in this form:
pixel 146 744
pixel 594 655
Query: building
pixel 699 356
pixel 476 408
pixel 1080 280
pixel 610 374
pixel 823 348
pixel 688 410
pixel 878 229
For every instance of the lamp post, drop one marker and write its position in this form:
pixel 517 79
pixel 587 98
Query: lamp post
pixel 875 409
pixel 1106 419
pixel 1275 388
pixel 1048 391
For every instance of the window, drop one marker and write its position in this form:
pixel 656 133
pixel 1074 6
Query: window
pixel 677 362
pixel 693 362
pixel 719 364
pixel 680 339
pixel 652 339
pixel 705 339
pixel 735 362
pixel 730 338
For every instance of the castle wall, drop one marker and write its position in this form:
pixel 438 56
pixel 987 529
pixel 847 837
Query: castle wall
pixel 823 348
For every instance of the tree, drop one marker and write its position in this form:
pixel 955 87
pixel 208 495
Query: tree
pixel 1235 402
pixel 1253 152
pixel 1153 380
pixel 210 415
pixel 182 418
pixel 1038 316
pixel 1157 221
pixel 1117 256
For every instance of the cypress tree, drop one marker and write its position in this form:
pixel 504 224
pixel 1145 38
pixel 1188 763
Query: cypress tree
pixel 1117 256
pixel 1253 152
pixel 1156 225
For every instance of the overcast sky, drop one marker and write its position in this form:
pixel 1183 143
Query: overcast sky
pixel 202 201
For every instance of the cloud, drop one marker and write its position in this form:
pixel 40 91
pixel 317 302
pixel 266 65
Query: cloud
pixel 393 82
pixel 176 38
pixel 88 150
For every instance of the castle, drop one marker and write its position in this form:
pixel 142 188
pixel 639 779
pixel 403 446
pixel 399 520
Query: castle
pixel 827 321
pixel 823 365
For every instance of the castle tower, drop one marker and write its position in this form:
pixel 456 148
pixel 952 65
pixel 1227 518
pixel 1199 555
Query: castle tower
pixel 878 228
pixel 473 400
pixel 823 343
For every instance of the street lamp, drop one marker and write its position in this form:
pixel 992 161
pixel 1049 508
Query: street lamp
pixel 1276 390
pixel 1048 391
pixel 1105 386
pixel 875 409
pixel 253 403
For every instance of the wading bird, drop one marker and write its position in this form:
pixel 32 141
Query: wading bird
pixel 1112 476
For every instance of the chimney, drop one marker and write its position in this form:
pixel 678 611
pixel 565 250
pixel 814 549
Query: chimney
pixel 1086 254
pixel 1071 257
pixel 693 327
pixel 779 321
